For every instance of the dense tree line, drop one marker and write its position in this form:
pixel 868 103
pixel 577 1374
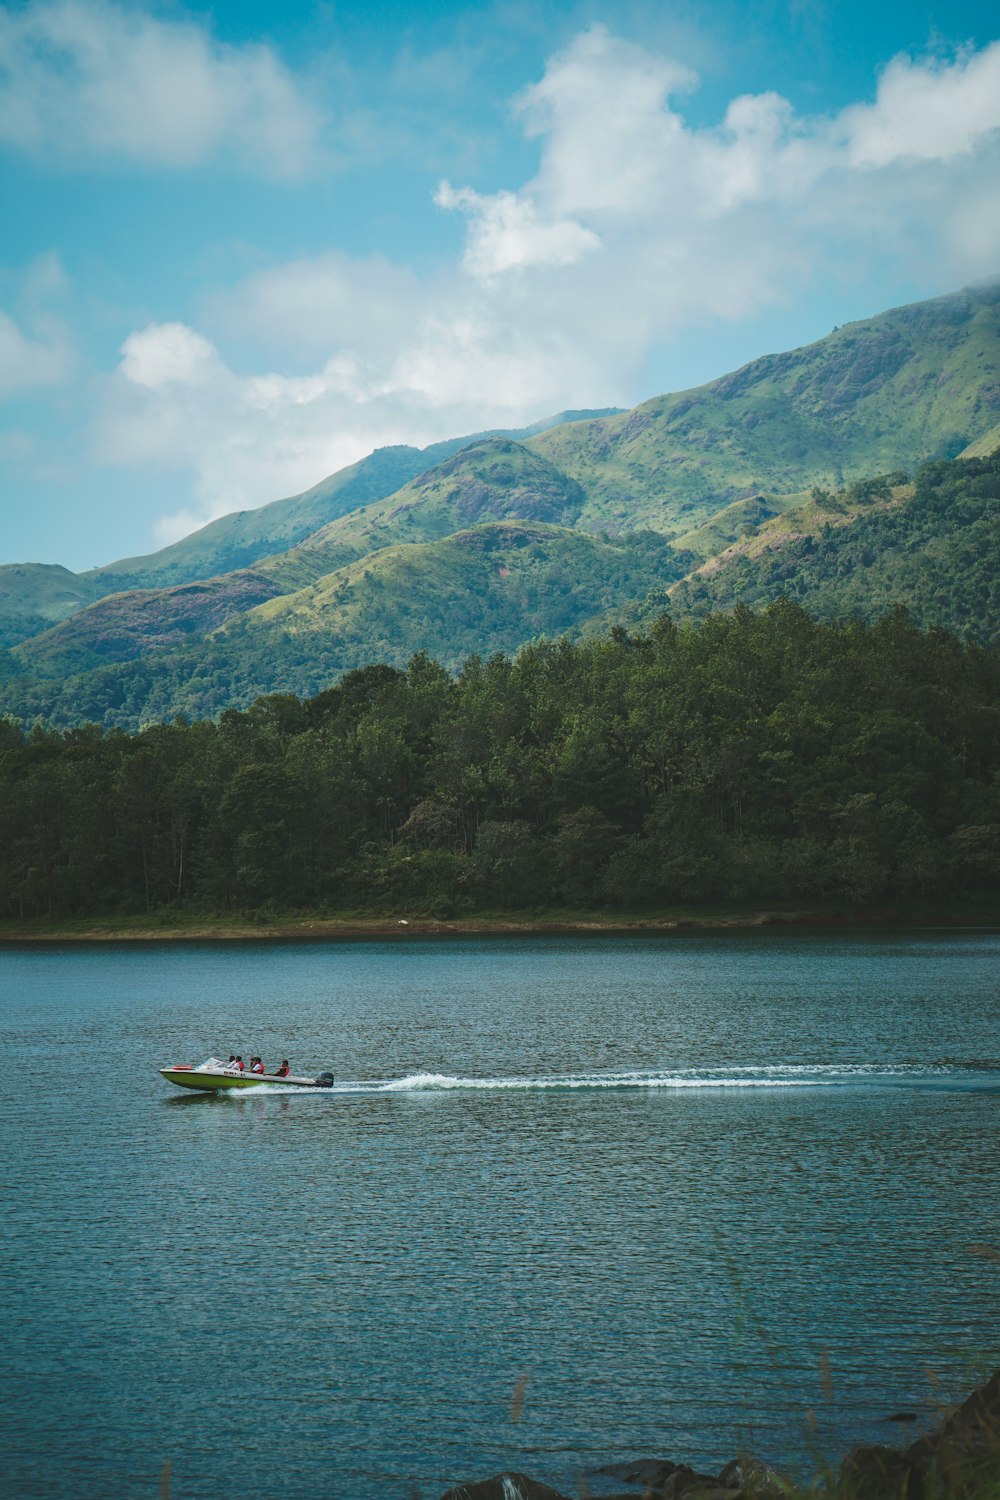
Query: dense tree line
pixel 748 757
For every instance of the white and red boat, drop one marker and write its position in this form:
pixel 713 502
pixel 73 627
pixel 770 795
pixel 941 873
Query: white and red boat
pixel 213 1073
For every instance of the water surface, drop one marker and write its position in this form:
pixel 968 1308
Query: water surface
pixel 664 1179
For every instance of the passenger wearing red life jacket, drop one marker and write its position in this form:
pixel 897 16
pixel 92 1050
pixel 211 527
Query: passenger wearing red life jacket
pixel 256 1066
pixel 282 1072
pixel 237 1062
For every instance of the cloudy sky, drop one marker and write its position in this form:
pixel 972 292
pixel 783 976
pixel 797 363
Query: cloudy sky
pixel 242 246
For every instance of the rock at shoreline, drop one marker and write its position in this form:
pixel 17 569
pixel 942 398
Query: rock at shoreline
pixel 961 1461
pixel 665 1480
pixel 753 1478
pixel 871 1472
pixel 504 1487
pixel 968 1441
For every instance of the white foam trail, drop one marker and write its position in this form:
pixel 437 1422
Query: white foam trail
pixel 743 1076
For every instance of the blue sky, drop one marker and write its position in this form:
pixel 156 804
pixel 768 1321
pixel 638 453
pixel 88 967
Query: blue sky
pixel 244 244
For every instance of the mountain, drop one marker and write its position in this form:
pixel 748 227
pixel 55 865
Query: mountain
pixel 916 383
pixel 494 479
pixel 34 595
pixel 485 589
pixel 871 396
pixel 759 483
pixel 933 546
pixel 241 539
pixel 124 626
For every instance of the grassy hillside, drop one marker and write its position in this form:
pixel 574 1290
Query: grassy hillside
pixel 762 476
pixel 124 626
pixel 917 383
pixel 241 539
pixel 727 526
pixel 486 589
pixel 34 596
pixel 482 590
pixel 494 479
pixel 933 546
pixel 984 446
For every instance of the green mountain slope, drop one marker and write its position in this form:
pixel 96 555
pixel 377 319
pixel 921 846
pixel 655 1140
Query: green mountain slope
pixel 985 446
pixel 496 479
pixel 722 472
pixel 124 626
pixel 493 479
pixel 485 589
pixel 241 539
pixel 489 588
pixel 933 547
pixel 913 384
pixel 34 596
pixel 722 530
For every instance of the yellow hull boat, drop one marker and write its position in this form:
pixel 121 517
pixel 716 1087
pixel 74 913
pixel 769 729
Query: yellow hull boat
pixel 215 1074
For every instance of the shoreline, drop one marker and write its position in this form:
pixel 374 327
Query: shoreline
pixel 354 927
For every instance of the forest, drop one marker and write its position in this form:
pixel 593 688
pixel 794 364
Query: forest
pixel 745 757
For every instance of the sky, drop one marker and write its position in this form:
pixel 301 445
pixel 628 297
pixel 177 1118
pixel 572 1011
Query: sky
pixel 243 245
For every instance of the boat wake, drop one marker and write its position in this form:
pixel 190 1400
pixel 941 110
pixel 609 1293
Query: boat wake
pixel 794 1076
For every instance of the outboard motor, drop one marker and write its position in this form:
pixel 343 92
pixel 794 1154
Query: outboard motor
pixel 324 1080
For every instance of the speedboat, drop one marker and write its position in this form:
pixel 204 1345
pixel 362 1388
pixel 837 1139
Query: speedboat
pixel 213 1073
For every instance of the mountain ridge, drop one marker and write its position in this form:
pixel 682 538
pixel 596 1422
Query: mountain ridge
pixel 689 477
pixel 242 538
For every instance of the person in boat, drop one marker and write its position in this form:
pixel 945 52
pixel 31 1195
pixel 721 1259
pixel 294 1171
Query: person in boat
pixel 256 1066
pixel 282 1072
pixel 238 1063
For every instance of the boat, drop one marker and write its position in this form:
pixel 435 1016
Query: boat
pixel 213 1073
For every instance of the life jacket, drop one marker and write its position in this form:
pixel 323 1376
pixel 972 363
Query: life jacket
pixel 239 1064
pixel 281 1073
pixel 257 1067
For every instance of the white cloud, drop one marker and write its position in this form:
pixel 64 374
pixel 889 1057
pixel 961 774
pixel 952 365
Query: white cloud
pixel 35 345
pixel 506 232
pixel 248 439
pixel 926 111
pixel 91 78
pixel 602 111
pixel 27 363
pixel 636 226
pixel 619 160
pixel 166 354
pixel 324 303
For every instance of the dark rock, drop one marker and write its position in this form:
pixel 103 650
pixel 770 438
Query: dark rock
pixel 754 1478
pixel 651 1472
pixel 961 1461
pixel 964 1454
pixel 870 1472
pixel 665 1480
pixel 504 1487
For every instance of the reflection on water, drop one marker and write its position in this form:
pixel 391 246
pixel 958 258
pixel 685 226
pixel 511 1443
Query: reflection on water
pixel 663 1178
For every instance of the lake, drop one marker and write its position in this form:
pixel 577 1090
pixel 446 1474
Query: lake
pixel 689 1195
